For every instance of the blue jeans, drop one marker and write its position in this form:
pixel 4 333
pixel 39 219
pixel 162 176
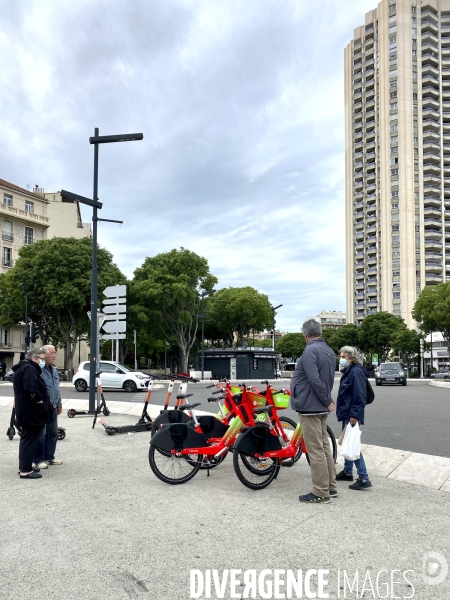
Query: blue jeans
pixel 359 463
pixel 47 443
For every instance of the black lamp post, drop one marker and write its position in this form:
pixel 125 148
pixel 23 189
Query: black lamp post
pixel 96 140
pixel 203 296
pixel 274 308
pixel 27 339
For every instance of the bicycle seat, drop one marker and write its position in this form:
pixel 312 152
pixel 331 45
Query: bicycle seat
pixel 212 399
pixel 188 406
pixel 182 396
pixel 263 409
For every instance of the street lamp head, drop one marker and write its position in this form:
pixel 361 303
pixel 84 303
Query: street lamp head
pixel 71 197
pixel 275 307
pixel 205 293
pixel 109 139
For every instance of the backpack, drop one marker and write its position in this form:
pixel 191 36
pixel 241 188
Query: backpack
pixel 370 393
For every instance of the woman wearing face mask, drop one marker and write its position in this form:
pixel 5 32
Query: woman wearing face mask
pixel 350 404
pixel 32 409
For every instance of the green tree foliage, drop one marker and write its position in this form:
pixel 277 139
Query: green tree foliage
pixel 232 313
pixel 347 335
pixel 377 332
pixel 432 310
pixel 57 273
pixel 407 343
pixel 167 290
pixel 291 345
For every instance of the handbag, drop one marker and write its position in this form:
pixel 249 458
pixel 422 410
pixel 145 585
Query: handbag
pixel 351 444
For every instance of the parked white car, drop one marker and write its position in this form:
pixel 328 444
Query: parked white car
pixel 113 375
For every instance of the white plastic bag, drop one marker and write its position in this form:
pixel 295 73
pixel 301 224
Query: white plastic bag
pixel 351 444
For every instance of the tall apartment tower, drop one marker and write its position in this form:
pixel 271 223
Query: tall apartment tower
pixel 397 156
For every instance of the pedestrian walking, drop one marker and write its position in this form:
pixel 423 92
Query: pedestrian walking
pixel 45 455
pixel 311 387
pixel 351 401
pixel 32 409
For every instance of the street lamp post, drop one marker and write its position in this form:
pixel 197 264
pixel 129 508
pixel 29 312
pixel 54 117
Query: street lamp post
pixel 96 140
pixel 25 289
pixel 203 296
pixel 165 357
pixel 274 308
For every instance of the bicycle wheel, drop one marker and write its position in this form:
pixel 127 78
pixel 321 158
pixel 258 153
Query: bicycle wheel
pixel 173 469
pixel 333 445
pixel 289 426
pixel 250 478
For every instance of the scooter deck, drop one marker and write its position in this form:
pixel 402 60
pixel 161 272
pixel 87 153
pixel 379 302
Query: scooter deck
pixel 112 429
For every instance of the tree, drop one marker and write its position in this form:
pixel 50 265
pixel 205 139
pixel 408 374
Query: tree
pixel 232 313
pixel 377 331
pixel 432 310
pixel 347 335
pixel 291 345
pixel 167 288
pixel 407 343
pixel 57 274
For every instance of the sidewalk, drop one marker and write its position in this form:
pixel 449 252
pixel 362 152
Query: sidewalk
pixel 101 526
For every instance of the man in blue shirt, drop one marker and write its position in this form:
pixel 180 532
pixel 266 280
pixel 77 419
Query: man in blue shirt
pixel 47 445
pixel 311 387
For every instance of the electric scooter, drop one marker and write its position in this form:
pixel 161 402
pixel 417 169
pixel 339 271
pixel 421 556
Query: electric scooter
pixel 144 424
pixel 101 406
pixel 13 425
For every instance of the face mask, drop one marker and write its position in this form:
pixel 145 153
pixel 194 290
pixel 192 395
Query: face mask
pixel 343 362
pixel 41 363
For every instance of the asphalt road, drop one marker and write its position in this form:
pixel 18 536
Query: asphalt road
pixel 414 418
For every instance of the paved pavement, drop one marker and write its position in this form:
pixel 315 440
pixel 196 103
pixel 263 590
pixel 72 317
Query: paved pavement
pixel 102 526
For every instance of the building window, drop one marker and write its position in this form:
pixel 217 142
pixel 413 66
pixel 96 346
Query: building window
pixel 413 9
pixel 393 94
pixel 392 40
pixel 394 172
pixel 414 52
pixel 395 273
pixel 7 200
pixel 28 235
pixel 413 19
pixel 29 206
pixel 6 255
pixel 393 105
pixel 392 29
pixel 394 161
pixel 394 150
pixel 396 294
pixel 7 231
pixel 395 227
pixel 416 140
pixel 395 239
pixel 392 6
pixel 394 205
pixel 414 31
pixel 394 128
pixel 414 74
pixel 394 138
pixel 394 194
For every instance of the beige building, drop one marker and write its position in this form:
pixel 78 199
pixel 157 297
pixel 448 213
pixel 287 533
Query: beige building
pixel 332 318
pixel 27 216
pixel 397 111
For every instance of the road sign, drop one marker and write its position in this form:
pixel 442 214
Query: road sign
pixel 114 336
pixel 115 291
pixel 114 326
pixel 115 308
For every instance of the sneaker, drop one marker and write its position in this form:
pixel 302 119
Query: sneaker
pixel 41 465
pixel 361 485
pixel 55 461
pixel 313 499
pixel 333 494
pixel 344 476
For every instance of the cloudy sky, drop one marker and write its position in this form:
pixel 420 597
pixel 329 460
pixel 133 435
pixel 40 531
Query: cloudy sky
pixel 241 106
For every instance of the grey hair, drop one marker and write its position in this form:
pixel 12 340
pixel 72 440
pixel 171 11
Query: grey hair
pixel 34 352
pixel 352 353
pixel 46 349
pixel 312 328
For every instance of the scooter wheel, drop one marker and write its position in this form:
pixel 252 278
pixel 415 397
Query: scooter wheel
pixel 71 413
pixel 106 412
pixel 61 434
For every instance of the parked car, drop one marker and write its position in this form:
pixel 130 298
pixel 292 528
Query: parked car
pixel 441 374
pixel 113 375
pixel 392 372
pixel 9 375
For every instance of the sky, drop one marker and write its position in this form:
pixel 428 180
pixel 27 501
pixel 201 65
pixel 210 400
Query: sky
pixel 241 104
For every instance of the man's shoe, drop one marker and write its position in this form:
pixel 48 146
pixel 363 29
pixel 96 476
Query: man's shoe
pixel 35 469
pixel 333 494
pixel 55 461
pixel 344 476
pixel 41 465
pixel 361 485
pixel 313 499
pixel 32 475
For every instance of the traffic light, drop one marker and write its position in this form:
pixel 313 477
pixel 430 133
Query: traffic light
pixel 34 334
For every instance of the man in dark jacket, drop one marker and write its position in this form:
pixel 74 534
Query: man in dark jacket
pixel 32 409
pixel 311 387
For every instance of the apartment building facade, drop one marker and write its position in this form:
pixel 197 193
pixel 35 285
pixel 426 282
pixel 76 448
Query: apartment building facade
pixel 26 217
pixel 397 110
